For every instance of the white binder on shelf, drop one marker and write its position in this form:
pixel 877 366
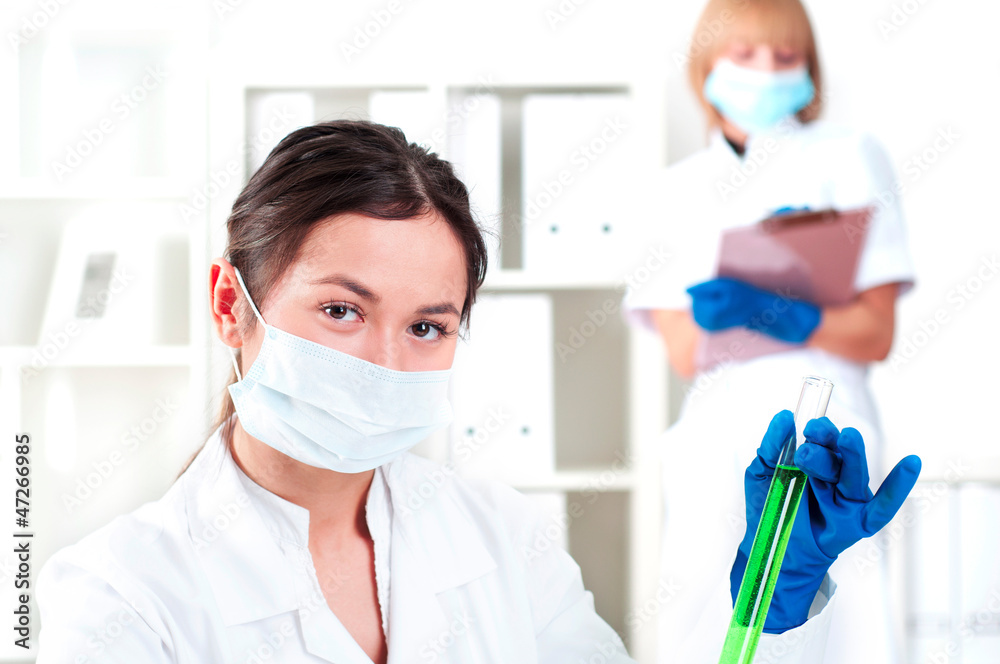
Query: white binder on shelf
pixel 474 148
pixel 273 115
pixel 579 160
pixel 120 283
pixel 411 110
pixel 502 391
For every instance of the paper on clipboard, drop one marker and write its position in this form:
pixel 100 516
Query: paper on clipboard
pixel 810 255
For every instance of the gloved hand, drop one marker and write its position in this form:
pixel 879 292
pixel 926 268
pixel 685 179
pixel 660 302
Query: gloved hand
pixel 722 303
pixel 837 509
pixel 790 209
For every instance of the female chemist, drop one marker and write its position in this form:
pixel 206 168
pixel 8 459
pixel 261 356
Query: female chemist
pixel 753 67
pixel 352 263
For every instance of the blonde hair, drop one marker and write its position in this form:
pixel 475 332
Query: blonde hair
pixel 780 23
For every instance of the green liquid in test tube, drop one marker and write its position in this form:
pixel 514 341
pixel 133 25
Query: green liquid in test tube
pixel 773 532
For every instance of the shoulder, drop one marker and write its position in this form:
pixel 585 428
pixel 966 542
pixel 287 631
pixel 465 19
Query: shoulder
pixel 708 158
pixel 121 542
pixel 842 140
pixel 853 159
pixel 147 552
pixel 822 130
pixel 113 581
pixel 688 189
pixel 153 538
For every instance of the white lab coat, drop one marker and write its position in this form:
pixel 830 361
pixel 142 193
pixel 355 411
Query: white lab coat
pixel 219 571
pixel 727 408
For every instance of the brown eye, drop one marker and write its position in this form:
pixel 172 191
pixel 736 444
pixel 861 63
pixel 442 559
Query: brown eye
pixel 341 312
pixel 425 330
pixel 740 52
pixel 787 56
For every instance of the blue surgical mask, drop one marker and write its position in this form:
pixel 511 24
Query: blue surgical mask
pixel 756 100
pixel 332 410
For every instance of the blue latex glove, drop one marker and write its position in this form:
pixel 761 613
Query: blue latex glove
pixel 722 303
pixel 837 509
pixel 789 209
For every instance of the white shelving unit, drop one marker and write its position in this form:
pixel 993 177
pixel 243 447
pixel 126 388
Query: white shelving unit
pixel 110 423
pixel 144 407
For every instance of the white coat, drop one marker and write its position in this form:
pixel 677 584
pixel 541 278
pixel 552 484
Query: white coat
pixel 219 571
pixel 727 408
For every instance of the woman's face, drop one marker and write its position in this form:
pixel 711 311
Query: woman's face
pixel 388 292
pixel 763 56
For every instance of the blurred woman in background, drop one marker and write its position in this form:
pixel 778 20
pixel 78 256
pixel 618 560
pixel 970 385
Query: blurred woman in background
pixel 755 71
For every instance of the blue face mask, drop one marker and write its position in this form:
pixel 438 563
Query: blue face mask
pixel 332 410
pixel 756 100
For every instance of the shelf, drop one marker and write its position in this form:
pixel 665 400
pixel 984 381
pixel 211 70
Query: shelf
pixel 366 80
pixel 126 188
pixel 152 356
pixel 508 280
pixel 597 480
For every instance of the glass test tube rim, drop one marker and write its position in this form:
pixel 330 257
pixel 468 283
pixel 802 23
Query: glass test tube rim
pixel 814 398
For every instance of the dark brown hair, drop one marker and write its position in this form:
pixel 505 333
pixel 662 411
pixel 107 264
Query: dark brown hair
pixel 334 168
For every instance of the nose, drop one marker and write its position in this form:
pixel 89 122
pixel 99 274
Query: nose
pixel 765 59
pixel 384 350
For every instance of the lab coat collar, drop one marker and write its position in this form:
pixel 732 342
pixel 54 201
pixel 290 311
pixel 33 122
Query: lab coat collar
pixel 434 524
pixel 436 547
pixel 245 567
pixel 786 127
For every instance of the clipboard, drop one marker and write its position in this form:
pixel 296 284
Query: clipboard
pixel 803 255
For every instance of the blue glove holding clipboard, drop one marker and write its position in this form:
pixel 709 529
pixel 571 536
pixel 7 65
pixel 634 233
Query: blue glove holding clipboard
pixel 772 280
pixel 723 303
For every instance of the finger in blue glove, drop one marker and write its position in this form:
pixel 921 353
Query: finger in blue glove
pixel 837 509
pixel 842 500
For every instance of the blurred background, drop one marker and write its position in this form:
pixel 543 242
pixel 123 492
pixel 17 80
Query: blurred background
pixel 127 129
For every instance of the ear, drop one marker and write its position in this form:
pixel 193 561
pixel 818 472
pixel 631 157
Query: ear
pixel 223 292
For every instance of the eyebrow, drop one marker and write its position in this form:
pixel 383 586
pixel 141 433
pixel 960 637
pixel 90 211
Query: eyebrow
pixel 362 291
pixel 349 284
pixel 443 308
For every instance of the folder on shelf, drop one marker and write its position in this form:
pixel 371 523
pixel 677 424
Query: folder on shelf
pixel 271 114
pixel 475 150
pixel 502 390
pixel 117 284
pixel 803 255
pixel 579 156
pixel 413 111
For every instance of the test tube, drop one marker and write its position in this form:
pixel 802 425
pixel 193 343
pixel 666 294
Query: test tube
pixel 773 531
